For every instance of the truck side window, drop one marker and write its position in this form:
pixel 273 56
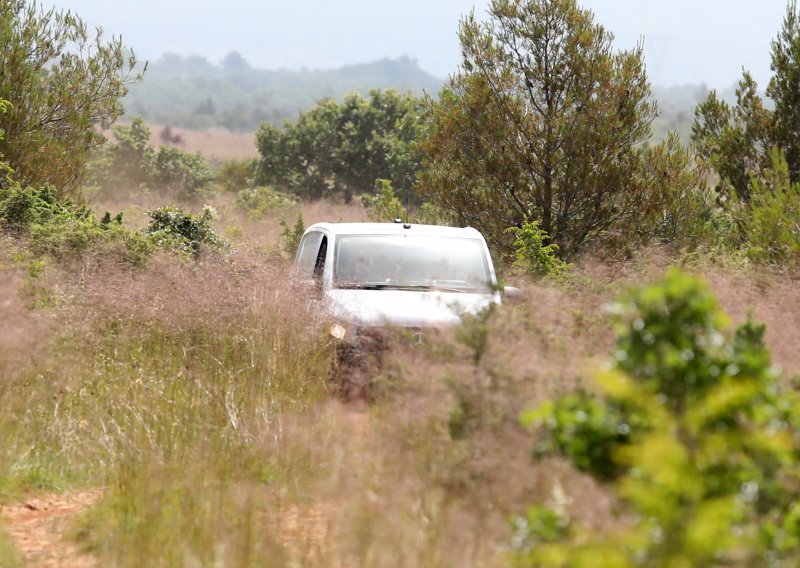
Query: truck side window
pixel 319 265
pixel 308 255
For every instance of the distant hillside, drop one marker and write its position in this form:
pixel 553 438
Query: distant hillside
pixel 192 92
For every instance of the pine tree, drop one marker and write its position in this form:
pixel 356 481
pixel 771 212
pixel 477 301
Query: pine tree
pixel 784 89
pixel 61 81
pixel 544 122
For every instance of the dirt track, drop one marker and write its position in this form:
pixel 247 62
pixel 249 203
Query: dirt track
pixel 38 528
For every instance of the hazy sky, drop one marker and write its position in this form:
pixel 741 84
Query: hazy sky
pixel 686 41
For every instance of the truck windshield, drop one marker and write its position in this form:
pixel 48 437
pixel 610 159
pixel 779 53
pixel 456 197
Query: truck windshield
pixel 414 262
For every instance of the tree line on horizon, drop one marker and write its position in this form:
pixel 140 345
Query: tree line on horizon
pixel 193 92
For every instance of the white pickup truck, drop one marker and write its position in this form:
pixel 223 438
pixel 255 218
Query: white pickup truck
pixel 369 276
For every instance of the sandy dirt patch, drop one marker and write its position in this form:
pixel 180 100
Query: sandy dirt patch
pixel 38 527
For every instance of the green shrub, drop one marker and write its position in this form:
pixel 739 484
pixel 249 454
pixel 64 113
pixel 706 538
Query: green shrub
pixel 430 214
pixel 474 332
pixel 771 222
pixel 236 175
pixel 261 200
pixel 532 255
pixel 384 206
pixel 55 228
pixel 127 160
pixel 585 430
pixel 339 148
pixel 540 525
pixel 61 229
pixel 710 440
pixel 173 228
pixel 291 235
pixel 188 175
pixel 131 160
pixel 21 206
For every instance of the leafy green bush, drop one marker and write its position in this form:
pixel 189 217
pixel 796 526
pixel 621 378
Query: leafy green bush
pixel 127 160
pixel 63 79
pixel 54 227
pixel 430 214
pixel 236 175
pixel 532 255
pixel 540 525
pixel 261 200
pixel 61 229
pixel 771 222
pixel 384 206
pixel 21 206
pixel 291 235
pixel 709 449
pixel 131 160
pixel 190 234
pixel 341 148
pixel 188 175
pixel 585 430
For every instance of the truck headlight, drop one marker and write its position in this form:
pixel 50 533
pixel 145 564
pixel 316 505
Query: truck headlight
pixel 338 331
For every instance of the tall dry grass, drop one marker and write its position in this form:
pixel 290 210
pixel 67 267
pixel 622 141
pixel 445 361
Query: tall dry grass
pixel 196 394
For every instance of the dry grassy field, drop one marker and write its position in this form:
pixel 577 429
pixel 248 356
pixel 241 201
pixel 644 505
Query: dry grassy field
pixel 182 413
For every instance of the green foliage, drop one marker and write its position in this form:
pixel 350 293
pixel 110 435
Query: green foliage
pixel 682 209
pixel 585 430
pixel 61 81
pixel 539 526
pixel 21 207
pixel 474 332
pixel 131 161
pixel 784 89
pixel 171 227
pixel 261 200
pixel 55 228
pixel 291 235
pixel 429 214
pixel 343 148
pixel 5 168
pixel 384 206
pixel 771 223
pixel 532 255
pixel 515 137
pixel 710 439
pixel 60 228
pixel 130 158
pixel 753 149
pixel 737 141
pixel 185 174
pixel 734 141
pixel 235 175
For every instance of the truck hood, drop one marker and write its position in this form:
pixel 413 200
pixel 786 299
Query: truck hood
pixel 405 308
